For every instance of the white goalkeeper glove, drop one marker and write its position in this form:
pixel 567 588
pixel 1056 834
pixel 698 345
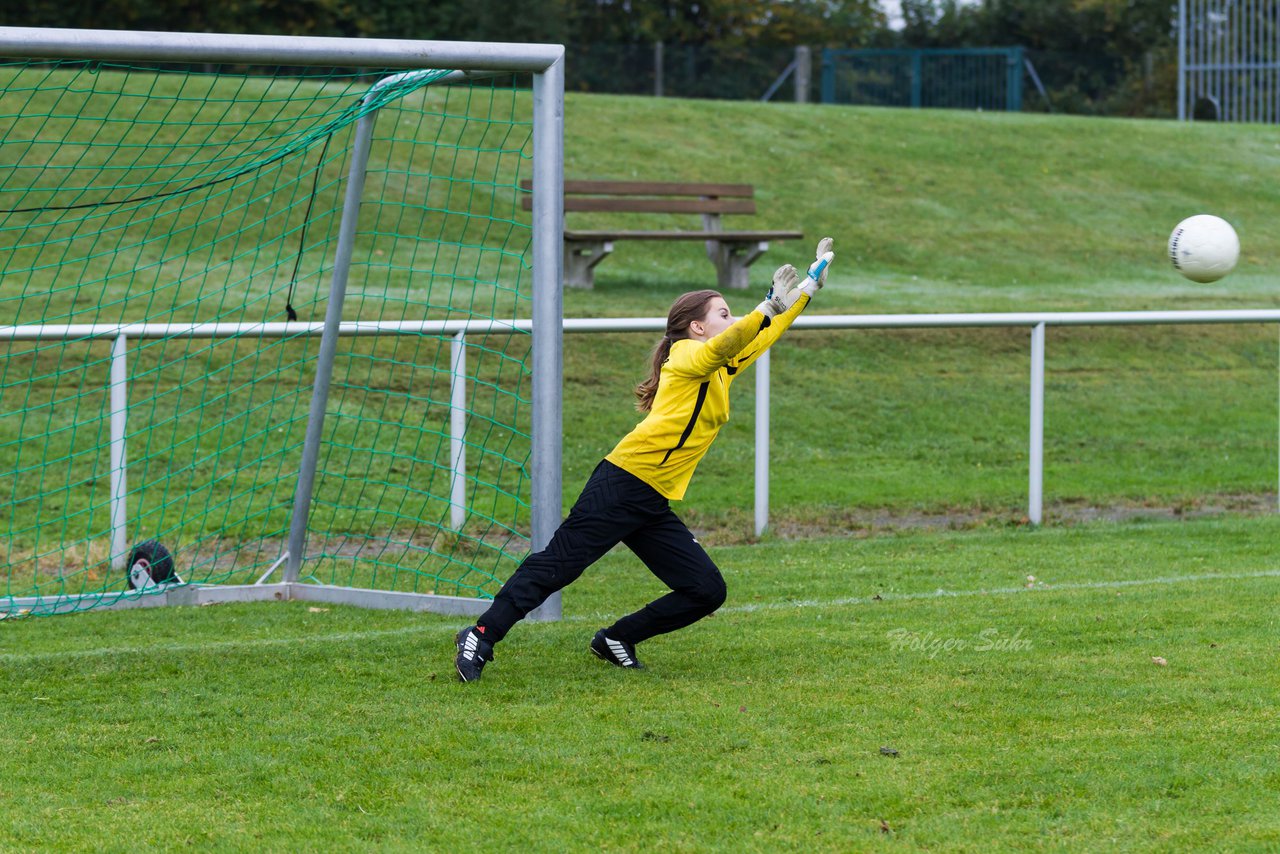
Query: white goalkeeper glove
pixel 782 294
pixel 818 269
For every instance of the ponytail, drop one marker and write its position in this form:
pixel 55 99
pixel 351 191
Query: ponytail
pixel 647 390
pixel 686 309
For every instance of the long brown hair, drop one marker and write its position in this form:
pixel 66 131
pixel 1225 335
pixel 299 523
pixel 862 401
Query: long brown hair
pixel 686 309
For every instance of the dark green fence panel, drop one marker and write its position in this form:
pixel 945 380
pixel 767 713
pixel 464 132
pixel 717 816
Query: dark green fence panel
pixel 963 78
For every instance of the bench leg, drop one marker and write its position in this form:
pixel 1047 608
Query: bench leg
pixel 580 259
pixel 732 261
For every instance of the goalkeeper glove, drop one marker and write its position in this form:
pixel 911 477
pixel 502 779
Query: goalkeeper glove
pixel 782 294
pixel 818 269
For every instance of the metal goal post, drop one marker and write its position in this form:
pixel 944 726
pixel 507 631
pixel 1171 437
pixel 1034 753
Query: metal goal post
pixel 450 61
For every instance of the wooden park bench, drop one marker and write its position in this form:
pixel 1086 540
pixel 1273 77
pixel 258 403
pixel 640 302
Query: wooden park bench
pixel 732 252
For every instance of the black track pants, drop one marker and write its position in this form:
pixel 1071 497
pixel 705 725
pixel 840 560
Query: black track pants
pixel 616 507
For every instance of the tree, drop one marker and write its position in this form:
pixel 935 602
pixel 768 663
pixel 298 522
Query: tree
pixel 766 23
pixel 1101 56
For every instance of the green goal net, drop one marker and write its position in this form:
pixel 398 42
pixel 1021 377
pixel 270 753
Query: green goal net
pixel 168 236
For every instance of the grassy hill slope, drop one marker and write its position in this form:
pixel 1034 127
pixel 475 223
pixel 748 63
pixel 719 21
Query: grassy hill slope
pixel 931 211
pixel 952 211
pixel 947 210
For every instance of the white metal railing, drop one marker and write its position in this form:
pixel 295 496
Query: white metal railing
pixel 1037 322
pixel 120 334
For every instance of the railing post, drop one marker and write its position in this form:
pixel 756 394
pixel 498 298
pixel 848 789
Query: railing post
pixel 1013 93
pixel 659 62
pixel 1182 60
pixel 458 431
pixel 762 443
pixel 828 76
pixel 803 73
pixel 917 78
pixel 119 457
pixel 1035 491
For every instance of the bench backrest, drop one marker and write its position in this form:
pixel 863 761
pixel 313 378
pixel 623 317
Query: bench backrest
pixel 653 197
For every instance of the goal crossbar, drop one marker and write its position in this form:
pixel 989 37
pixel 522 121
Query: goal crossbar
pixel 53 43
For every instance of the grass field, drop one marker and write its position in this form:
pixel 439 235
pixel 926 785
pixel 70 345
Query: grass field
pixel 940 211
pixel 945 209
pixel 901 663
pixel 932 211
pixel 900 692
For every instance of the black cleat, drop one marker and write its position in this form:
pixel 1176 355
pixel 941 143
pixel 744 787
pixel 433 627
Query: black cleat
pixel 473 652
pixel 617 652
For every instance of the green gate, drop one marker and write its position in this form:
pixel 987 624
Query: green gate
pixel 980 78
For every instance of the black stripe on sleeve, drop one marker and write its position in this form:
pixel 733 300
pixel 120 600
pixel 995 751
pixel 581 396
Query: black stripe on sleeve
pixel 693 419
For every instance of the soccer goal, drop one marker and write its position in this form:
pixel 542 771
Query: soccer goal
pixel 272 322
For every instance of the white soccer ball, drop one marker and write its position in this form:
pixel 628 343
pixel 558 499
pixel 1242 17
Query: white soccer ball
pixel 1204 248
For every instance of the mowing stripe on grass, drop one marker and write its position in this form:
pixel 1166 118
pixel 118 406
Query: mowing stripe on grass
pixel 346 637
pixel 1002 591
pixel 292 640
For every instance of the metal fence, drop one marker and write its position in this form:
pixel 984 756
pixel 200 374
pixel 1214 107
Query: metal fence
pixel 965 78
pixel 1037 322
pixel 968 78
pixel 722 72
pixel 977 78
pixel 1229 60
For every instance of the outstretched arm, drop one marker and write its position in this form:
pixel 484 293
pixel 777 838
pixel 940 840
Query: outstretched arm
pixel 788 297
pixel 716 352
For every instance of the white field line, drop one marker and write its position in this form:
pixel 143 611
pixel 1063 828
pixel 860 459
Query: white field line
pixel 346 637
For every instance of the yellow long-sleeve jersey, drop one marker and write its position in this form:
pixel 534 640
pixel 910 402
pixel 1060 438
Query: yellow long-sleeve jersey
pixel 692 401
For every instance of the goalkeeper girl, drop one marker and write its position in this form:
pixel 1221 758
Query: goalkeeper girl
pixel 626 500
